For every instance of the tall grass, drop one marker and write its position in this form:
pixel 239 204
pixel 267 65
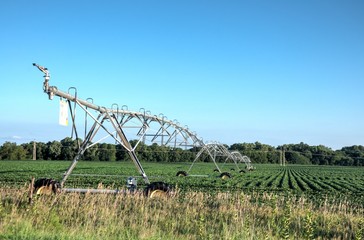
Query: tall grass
pixel 185 215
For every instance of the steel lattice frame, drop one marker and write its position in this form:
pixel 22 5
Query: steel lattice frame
pixel 241 159
pixel 116 122
pixel 215 149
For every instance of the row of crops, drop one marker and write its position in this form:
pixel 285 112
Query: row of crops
pixel 303 178
pixel 293 178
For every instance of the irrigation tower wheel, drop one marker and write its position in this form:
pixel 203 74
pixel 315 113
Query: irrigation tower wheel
pixel 225 175
pixel 250 168
pixel 157 190
pixel 46 186
pixel 182 174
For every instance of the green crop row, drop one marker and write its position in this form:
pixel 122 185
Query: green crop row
pixel 297 179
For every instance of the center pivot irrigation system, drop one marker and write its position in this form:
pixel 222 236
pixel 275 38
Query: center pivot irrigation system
pixel 123 125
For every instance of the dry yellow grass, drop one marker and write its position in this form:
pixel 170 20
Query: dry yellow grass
pixel 187 215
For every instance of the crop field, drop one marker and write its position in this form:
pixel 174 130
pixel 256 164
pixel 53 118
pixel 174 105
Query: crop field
pixel 296 179
pixel 271 202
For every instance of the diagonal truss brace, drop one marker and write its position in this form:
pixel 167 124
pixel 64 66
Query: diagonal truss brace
pixel 122 140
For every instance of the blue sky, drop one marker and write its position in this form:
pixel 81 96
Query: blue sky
pixel 276 72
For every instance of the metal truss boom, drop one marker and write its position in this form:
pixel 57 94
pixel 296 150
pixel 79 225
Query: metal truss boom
pixel 115 122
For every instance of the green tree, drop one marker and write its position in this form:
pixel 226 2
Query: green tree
pixel 11 151
pixel 111 152
pixel 321 155
pixel 102 152
pixel 297 158
pixel 28 148
pixel 147 153
pixel 91 154
pixel 121 153
pixel 106 152
pixel 42 151
pixel 54 150
pixel 356 153
pixel 69 148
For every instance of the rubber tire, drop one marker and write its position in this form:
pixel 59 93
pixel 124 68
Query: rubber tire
pixel 46 186
pixel 216 170
pixel 225 175
pixel 249 169
pixel 157 189
pixel 182 174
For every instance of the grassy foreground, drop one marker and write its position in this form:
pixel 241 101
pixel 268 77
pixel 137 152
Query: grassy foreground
pixel 186 215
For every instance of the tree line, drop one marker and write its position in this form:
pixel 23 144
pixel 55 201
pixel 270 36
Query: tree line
pixel 301 153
